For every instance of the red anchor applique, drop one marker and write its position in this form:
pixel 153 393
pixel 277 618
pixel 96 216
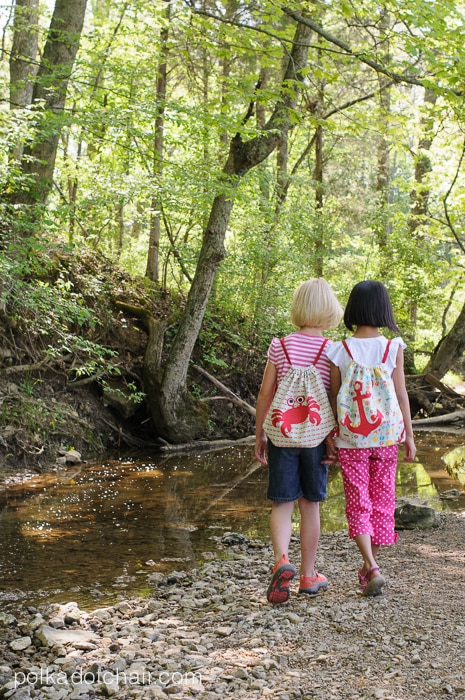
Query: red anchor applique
pixel 366 426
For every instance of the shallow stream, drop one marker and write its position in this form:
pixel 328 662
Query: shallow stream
pixel 94 534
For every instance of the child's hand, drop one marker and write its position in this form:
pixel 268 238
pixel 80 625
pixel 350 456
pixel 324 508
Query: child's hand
pixel 331 451
pixel 410 449
pixel 261 449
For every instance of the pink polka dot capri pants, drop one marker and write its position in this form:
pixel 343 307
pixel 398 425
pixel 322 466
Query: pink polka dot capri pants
pixel 369 478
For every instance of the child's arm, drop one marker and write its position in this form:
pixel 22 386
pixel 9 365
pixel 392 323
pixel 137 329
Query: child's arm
pixel 398 377
pixel 264 399
pixel 330 442
pixel 335 385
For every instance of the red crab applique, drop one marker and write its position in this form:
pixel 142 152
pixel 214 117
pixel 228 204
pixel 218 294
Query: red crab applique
pixel 302 408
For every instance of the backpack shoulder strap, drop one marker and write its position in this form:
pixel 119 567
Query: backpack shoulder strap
pixel 281 340
pixel 386 351
pixel 347 349
pixel 322 347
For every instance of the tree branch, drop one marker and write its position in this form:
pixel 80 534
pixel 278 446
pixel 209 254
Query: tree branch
pixel 378 67
pixel 444 201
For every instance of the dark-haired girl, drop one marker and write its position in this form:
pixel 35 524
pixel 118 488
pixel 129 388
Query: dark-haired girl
pixel 369 473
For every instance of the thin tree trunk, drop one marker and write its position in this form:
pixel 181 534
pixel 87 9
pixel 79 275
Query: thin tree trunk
pixel 383 173
pixel 49 93
pixel 449 349
pixel 419 197
pixel 152 269
pixel 23 58
pixel 24 53
pixel 318 177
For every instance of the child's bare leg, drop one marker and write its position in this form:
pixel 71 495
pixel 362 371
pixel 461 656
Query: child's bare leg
pixel 309 535
pixel 366 548
pixel 281 527
pixel 369 575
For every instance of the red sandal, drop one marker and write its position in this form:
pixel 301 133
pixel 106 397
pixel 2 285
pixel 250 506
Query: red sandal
pixel 374 582
pixel 278 590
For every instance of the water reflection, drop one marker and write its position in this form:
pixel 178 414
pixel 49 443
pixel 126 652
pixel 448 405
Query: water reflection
pixel 455 463
pixel 94 534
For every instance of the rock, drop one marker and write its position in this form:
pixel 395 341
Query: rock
pixel 73 457
pixel 7 619
pixel 410 514
pixel 451 494
pixel 49 636
pixel 72 617
pixel 232 538
pixel 20 643
pixel 58 622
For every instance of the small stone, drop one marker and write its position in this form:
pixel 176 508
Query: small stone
pixel 73 457
pixel 240 673
pixel 7 619
pixel 20 643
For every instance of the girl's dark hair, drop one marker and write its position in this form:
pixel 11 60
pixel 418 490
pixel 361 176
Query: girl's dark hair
pixel 369 305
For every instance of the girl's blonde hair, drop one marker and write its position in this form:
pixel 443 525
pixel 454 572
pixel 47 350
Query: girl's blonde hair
pixel 315 305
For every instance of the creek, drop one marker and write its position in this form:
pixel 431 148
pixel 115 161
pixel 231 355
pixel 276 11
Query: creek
pixel 94 534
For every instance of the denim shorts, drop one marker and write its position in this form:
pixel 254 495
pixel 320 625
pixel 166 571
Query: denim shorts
pixel 295 472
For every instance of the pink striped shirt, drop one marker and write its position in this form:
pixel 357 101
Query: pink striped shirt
pixel 302 350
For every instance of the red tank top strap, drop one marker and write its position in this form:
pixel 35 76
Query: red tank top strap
pixel 386 352
pixel 281 340
pixel 347 349
pixel 322 347
pixel 318 355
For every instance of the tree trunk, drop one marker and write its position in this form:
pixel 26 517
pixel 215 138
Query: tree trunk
pixel 23 58
pixel 152 269
pixel 318 177
pixel 23 53
pixel 49 94
pixel 177 420
pixel 419 197
pixel 383 173
pixel 449 349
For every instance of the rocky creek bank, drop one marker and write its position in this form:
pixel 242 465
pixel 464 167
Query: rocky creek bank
pixel 209 632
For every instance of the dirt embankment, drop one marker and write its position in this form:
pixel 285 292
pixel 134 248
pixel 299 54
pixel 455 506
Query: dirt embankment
pixel 71 363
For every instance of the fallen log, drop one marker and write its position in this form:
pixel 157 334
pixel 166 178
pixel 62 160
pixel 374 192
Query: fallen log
pixel 446 418
pixel 424 381
pixel 206 445
pixel 227 392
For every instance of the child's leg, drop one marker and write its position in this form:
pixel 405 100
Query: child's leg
pixel 383 467
pixel 368 552
pixel 309 535
pixel 313 476
pixel 283 490
pixel 355 468
pixel 281 528
pixel 282 572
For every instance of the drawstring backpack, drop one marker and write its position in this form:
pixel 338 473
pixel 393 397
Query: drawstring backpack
pixel 300 414
pixel 368 411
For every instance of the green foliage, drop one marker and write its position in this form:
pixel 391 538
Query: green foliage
pixel 39 298
pixel 224 78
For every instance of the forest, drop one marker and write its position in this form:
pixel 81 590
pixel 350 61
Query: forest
pixel 171 170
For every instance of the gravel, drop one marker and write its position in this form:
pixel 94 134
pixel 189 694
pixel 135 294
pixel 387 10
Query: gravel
pixel 209 633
